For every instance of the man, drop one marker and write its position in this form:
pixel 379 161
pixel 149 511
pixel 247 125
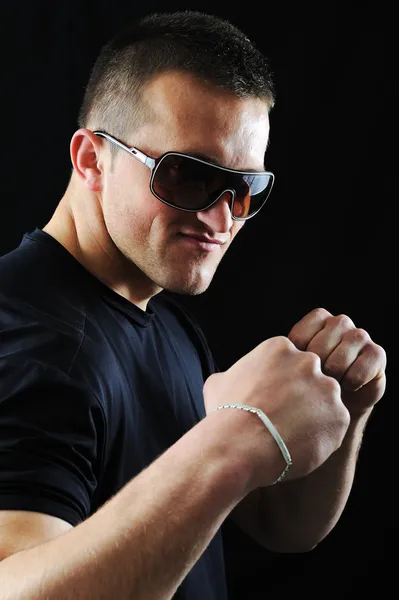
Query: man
pixel 121 450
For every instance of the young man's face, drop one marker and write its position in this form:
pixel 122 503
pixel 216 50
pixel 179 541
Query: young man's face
pixel 191 118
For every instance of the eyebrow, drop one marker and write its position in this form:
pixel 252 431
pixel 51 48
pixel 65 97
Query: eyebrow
pixel 214 161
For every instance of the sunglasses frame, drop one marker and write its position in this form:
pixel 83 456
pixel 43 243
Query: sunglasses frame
pixel 153 164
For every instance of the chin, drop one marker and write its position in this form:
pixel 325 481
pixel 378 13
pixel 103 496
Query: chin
pixel 187 290
pixel 187 287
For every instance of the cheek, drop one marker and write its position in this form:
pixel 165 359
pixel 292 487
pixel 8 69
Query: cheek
pixel 128 202
pixel 237 226
pixel 127 186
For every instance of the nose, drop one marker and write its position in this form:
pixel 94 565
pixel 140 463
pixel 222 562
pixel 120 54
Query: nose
pixel 218 216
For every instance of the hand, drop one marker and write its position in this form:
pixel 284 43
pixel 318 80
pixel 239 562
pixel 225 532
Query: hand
pixel 289 387
pixel 347 354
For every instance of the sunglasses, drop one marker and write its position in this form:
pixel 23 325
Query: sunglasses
pixel 193 185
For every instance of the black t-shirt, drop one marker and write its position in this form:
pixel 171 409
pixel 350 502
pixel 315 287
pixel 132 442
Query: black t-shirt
pixel 92 390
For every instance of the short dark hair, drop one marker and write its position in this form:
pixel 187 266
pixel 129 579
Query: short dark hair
pixel 206 46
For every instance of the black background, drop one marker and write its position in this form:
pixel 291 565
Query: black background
pixel 326 238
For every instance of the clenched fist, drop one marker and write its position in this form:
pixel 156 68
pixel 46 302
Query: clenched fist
pixel 288 385
pixel 347 353
pixel 310 384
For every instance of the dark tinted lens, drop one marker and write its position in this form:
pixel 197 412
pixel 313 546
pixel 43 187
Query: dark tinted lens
pixel 184 182
pixel 191 184
pixel 251 193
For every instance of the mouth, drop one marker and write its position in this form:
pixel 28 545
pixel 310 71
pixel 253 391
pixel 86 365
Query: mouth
pixel 201 243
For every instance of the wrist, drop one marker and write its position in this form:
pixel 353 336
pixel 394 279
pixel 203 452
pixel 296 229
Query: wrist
pixel 270 428
pixel 249 446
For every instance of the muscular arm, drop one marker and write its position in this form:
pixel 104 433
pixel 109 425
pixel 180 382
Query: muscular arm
pixel 295 516
pixel 145 540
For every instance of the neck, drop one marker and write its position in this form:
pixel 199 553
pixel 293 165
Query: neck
pixel 78 225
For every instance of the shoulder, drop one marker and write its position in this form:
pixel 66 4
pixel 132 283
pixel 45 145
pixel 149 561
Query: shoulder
pixel 40 296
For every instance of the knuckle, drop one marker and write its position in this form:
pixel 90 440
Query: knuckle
pixel 376 351
pixel 382 356
pixel 284 343
pixel 322 313
pixel 332 386
pixel 298 341
pixel 312 361
pixel 358 335
pixel 343 321
pixel 295 338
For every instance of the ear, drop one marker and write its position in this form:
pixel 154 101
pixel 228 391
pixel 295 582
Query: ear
pixel 85 156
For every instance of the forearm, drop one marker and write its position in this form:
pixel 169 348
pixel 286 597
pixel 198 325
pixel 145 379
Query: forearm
pixel 145 540
pixel 298 514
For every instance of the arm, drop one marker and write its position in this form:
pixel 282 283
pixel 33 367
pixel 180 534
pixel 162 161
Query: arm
pixel 296 515
pixel 143 542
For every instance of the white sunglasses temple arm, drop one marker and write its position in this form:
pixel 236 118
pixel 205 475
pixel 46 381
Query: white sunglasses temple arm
pixel 146 160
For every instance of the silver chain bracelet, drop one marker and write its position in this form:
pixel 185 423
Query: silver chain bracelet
pixel 271 428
